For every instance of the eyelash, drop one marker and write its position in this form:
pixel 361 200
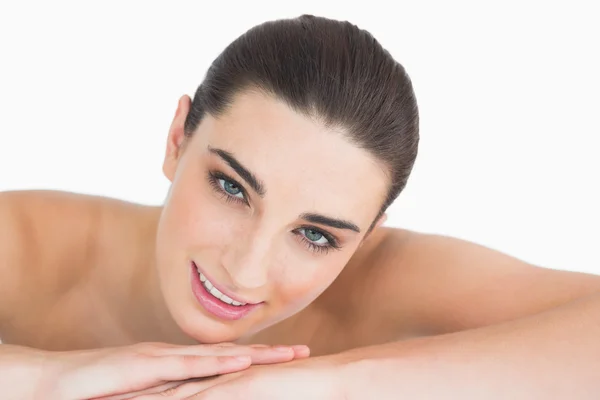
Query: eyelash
pixel 213 179
pixel 215 176
pixel 333 244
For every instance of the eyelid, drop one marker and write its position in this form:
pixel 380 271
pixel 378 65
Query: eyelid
pixel 315 248
pixel 333 241
pixel 216 175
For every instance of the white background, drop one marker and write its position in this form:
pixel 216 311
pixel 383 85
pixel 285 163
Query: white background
pixel 509 100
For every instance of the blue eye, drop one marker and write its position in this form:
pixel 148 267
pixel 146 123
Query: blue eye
pixel 231 188
pixel 227 187
pixel 315 236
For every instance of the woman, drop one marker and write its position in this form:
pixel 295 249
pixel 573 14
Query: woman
pixel 301 135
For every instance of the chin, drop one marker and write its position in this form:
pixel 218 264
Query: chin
pixel 211 336
pixel 202 328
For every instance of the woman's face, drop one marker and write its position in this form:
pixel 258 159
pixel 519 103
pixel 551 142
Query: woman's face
pixel 269 206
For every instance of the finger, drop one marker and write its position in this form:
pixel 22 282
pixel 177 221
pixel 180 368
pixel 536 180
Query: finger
pixel 185 390
pixel 226 390
pixel 221 388
pixel 301 351
pixel 153 390
pixel 160 348
pixel 182 367
pixel 259 355
pixel 155 347
pixel 215 349
pixel 179 391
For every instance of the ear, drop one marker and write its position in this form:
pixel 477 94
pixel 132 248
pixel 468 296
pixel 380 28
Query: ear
pixel 176 139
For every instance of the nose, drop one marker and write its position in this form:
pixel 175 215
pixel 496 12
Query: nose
pixel 246 259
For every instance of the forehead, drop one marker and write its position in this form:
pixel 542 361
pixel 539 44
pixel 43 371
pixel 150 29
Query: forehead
pixel 299 159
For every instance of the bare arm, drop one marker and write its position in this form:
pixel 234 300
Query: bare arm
pixel 10 255
pixel 37 261
pixel 442 284
pixel 550 355
pixel 497 327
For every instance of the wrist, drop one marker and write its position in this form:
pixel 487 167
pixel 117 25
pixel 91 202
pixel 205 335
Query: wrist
pixel 26 371
pixel 45 369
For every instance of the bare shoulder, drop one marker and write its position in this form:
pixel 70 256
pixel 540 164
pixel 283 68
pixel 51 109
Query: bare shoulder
pixel 40 219
pixel 436 284
pixel 46 237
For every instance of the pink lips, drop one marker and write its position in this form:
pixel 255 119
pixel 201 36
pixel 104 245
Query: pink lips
pixel 213 305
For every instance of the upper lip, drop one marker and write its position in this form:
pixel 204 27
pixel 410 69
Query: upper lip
pixel 221 289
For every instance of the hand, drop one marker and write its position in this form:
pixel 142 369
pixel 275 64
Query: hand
pixel 315 379
pixel 106 372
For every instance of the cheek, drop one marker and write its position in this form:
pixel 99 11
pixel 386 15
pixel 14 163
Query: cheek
pixel 302 279
pixel 198 218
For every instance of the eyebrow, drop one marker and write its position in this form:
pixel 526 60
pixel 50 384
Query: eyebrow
pixel 333 222
pixel 242 171
pixel 259 188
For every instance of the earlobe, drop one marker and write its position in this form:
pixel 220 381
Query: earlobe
pixel 176 138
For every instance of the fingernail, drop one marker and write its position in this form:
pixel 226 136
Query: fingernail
pixel 301 348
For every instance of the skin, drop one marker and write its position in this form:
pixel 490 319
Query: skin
pixel 255 250
pixel 82 272
pixel 251 244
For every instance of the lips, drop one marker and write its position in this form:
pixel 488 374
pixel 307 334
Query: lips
pixel 213 305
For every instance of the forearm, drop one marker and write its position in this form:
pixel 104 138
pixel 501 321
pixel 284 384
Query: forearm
pixel 551 355
pixel 21 371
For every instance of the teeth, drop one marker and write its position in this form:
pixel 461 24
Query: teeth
pixel 226 299
pixel 216 293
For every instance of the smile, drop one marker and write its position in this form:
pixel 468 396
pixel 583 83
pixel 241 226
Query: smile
pixel 216 293
pixel 214 301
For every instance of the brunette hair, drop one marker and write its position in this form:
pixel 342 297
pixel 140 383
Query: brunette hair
pixel 325 69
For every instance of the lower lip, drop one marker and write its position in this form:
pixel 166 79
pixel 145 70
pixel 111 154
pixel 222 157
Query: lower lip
pixel 213 305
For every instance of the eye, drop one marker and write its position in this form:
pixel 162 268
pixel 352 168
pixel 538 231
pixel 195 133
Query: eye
pixel 315 236
pixel 316 240
pixel 227 187
pixel 231 188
